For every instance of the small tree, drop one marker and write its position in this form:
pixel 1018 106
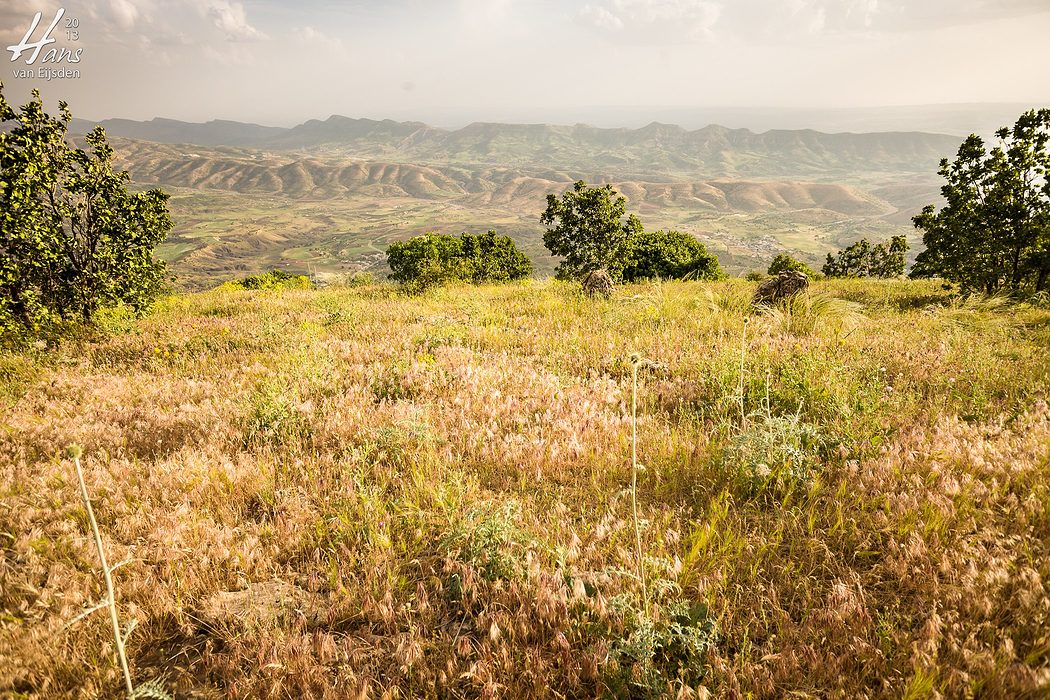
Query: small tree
pixel 993 232
pixel 425 261
pixel 863 259
pixel 589 228
pixel 668 255
pixel 494 258
pixel 73 239
pixel 785 263
pixel 434 258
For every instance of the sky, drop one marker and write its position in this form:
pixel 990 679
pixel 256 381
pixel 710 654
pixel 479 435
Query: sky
pixel 450 62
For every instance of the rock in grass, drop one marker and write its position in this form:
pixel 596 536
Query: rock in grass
pixel 783 286
pixel 598 283
pixel 262 604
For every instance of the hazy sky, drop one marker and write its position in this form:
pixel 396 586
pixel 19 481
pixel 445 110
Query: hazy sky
pixel 443 61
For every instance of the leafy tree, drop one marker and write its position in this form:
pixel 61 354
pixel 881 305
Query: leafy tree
pixel 494 258
pixel 668 255
pixel 993 231
pixel 589 227
pixel 784 263
pixel 73 239
pixel 425 261
pixel 863 259
pixel 433 258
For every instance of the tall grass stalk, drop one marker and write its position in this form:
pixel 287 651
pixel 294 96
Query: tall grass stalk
pixel 743 355
pixel 636 361
pixel 110 601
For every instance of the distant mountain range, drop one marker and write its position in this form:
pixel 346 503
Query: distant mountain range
pixel 330 195
pixel 656 150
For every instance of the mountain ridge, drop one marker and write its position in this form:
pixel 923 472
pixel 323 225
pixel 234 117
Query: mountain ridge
pixel 314 178
pixel 657 148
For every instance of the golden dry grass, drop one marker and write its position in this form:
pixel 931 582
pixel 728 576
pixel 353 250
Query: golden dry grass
pixel 438 487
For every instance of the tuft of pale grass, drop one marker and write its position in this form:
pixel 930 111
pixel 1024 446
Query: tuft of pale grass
pixel 809 312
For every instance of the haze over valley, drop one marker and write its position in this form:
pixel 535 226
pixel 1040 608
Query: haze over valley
pixel 328 196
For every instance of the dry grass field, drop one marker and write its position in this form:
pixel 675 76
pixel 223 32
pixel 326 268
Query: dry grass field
pixel 350 492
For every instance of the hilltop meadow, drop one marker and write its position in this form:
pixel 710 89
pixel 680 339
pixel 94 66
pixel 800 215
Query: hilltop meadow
pixel 352 492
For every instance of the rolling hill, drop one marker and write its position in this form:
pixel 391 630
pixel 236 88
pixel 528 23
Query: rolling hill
pixel 330 195
pixel 663 149
pixel 252 172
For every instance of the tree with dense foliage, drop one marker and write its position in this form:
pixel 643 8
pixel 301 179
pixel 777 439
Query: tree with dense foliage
pixel 668 255
pixel 864 259
pixel 785 263
pixel 73 239
pixel 494 258
pixel 590 229
pixel 993 232
pixel 434 258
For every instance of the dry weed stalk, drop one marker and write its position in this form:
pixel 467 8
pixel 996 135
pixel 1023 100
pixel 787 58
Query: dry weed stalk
pixel 74 451
pixel 636 362
pixel 743 355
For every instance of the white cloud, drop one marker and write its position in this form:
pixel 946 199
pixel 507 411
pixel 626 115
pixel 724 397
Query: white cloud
pixel 319 41
pixel 15 15
pixel 124 13
pixel 600 17
pixel 665 21
pixel 232 19
pixel 653 20
pixel 777 19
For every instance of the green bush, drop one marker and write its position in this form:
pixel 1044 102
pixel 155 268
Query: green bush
pixel 73 239
pixel 786 263
pixel 668 255
pixel 274 279
pixel 434 259
pixel 862 259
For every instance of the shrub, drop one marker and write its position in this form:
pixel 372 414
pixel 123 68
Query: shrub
pixel 754 276
pixel 493 258
pixel 274 279
pixel 862 259
pixel 73 239
pixel 668 255
pixel 359 279
pixel 786 263
pixel 433 259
